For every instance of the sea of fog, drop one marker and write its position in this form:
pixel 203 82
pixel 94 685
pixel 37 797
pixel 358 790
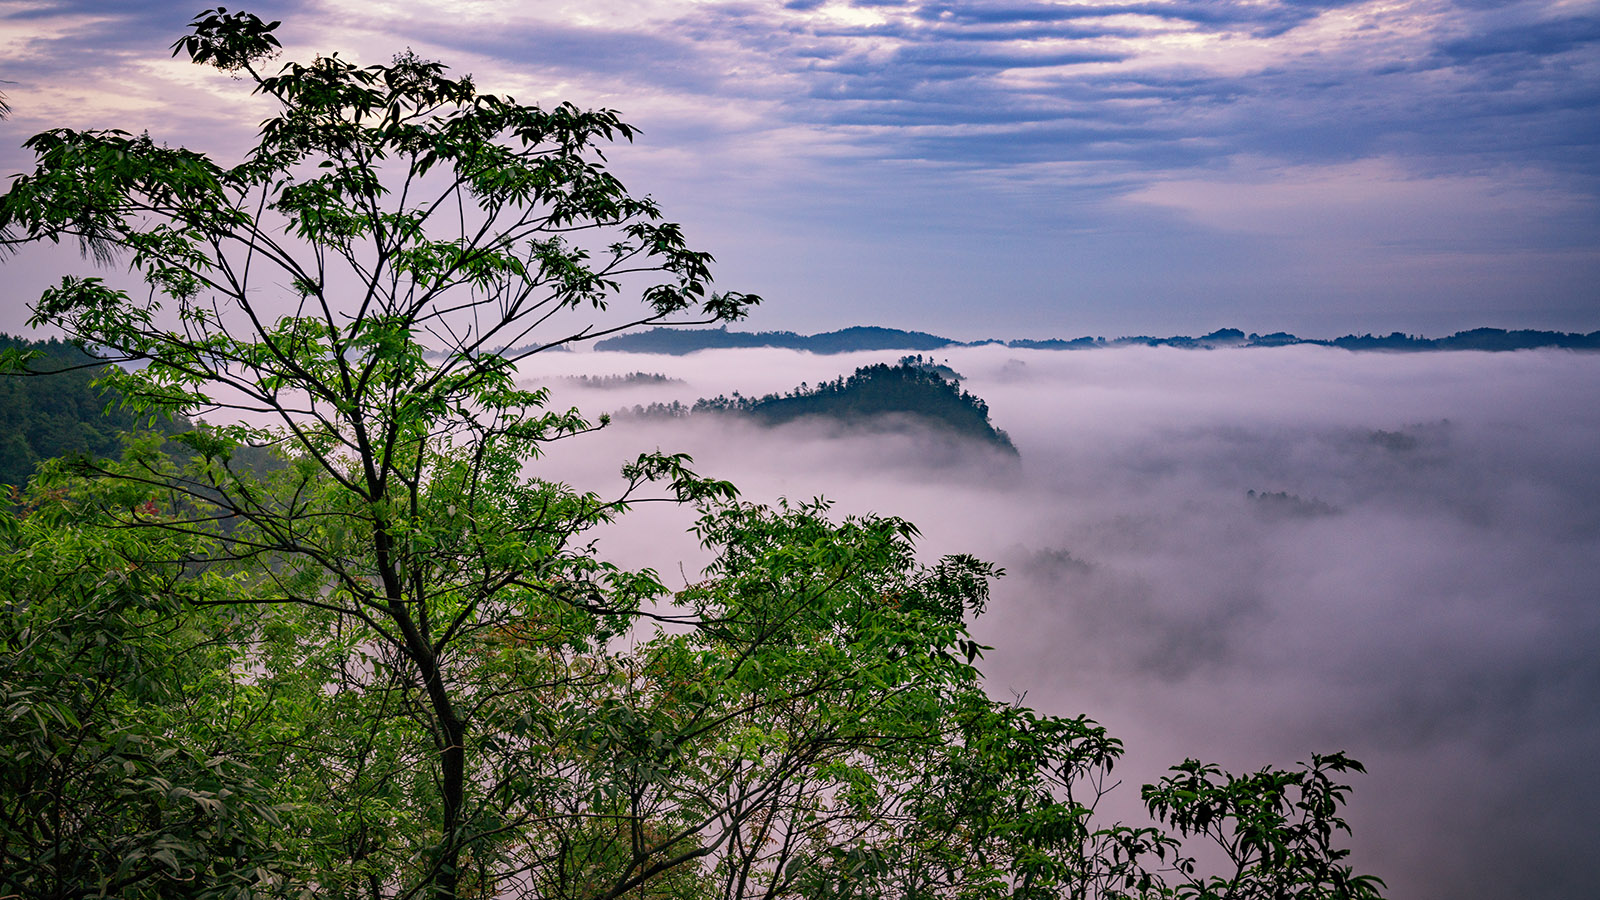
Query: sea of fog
pixel 1415 580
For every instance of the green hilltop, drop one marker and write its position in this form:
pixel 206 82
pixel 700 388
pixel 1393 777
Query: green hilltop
pixel 913 388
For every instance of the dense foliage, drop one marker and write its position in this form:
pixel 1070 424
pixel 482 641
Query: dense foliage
pixel 394 665
pixel 127 735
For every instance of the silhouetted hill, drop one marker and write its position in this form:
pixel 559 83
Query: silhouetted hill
pixel 871 396
pixel 864 337
pixel 1083 343
pixel 1497 339
pixel 678 341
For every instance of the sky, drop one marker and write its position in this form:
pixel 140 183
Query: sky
pixel 1413 581
pixel 992 169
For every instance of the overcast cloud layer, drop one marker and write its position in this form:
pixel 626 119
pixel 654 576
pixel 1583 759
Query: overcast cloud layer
pixel 1419 588
pixel 1010 169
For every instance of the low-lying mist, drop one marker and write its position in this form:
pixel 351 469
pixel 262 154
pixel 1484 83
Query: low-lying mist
pixel 1240 555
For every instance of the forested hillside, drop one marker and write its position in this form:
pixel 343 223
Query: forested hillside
pixel 42 417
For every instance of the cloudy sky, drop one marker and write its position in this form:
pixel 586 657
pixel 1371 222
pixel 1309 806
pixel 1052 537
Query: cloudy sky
pixel 997 169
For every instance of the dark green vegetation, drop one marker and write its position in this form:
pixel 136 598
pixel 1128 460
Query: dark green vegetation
pixel 1496 339
pixel 681 341
pixel 60 410
pixel 876 396
pixel 390 665
pixel 61 414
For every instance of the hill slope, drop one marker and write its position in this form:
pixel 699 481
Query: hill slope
pixel 45 416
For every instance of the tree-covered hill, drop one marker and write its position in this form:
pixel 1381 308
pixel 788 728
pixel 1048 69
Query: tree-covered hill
pixel 58 411
pixel 45 416
pixel 871 396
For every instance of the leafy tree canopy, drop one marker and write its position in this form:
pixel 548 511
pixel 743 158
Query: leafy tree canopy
pixel 394 665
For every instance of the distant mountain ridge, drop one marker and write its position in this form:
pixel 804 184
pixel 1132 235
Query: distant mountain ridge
pixel 681 341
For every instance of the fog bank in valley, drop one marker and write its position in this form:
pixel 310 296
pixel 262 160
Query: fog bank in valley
pixel 1244 556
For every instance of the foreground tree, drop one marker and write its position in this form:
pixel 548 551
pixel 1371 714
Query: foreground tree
pixel 125 737
pixel 397 205
pixel 439 702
